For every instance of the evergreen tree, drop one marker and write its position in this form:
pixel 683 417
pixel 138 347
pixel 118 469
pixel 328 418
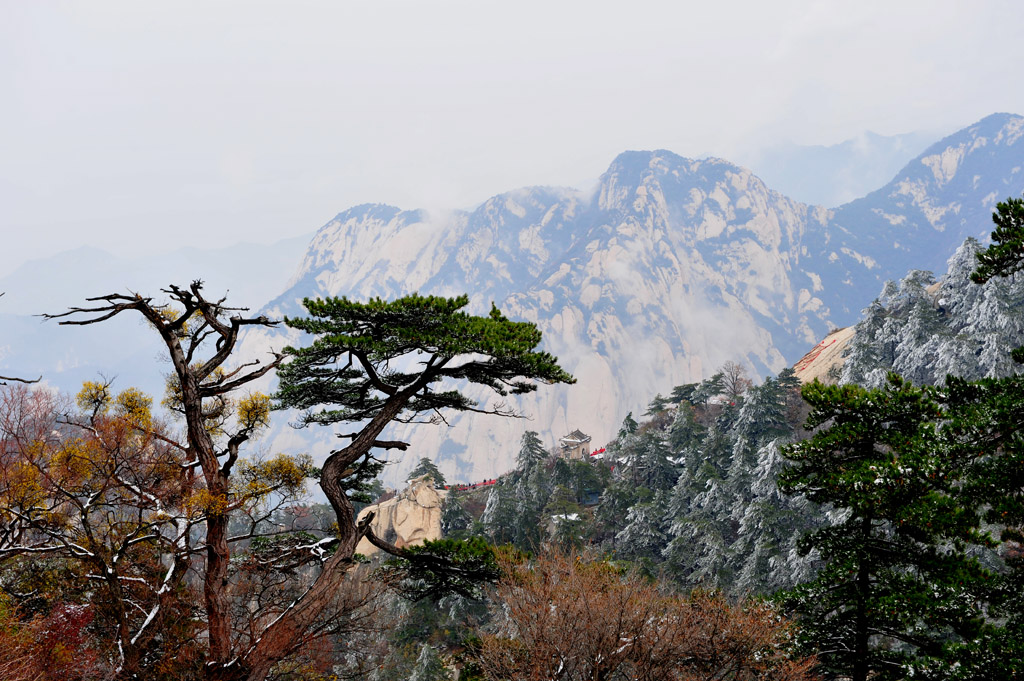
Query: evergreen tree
pixel 706 389
pixel 562 502
pixel 566 515
pixel 761 418
pixel 767 524
pixel 429 666
pixel 376 363
pixel 349 374
pixel 892 588
pixel 455 521
pixel 698 515
pixel 685 432
pixel 613 508
pixel 1006 255
pixel 427 467
pixel 643 536
pixel 657 405
pixel 499 518
pixel 531 451
pixel 531 493
pixel 683 393
pixel 650 463
pixel 986 428
pixel 869 358
pixel 629 426
pixel 765 553
pixel 583 478
pixel 927 331
pixel 789 388
pixel 921 333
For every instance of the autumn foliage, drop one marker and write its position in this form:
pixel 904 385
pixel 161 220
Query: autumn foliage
pixel 576 618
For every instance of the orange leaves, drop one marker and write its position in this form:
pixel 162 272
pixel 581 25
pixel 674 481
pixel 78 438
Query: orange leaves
pixel 583 619
pixel 203 503
pixel 23 486
pixel 131 404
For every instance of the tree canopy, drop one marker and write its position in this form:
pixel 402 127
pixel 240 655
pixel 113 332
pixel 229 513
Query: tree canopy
pixel 134 512
pixel 406 355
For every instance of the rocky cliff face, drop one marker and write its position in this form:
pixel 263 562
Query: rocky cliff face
pixel 671 267
pixel 825 360
pixel 411 517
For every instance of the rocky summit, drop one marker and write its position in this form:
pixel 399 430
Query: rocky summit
pixel 667 269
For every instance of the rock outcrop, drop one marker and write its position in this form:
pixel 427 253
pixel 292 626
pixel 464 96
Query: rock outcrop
pixel 411 517
pixel 825 360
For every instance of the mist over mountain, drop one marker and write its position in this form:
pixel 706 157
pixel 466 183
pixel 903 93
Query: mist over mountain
pixel 250 274
pixel 669 268
pixel 836 174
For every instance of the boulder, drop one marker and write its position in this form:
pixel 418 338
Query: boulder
pixel 411 517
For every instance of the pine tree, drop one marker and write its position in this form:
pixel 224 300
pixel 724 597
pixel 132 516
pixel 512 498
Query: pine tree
pixel 765 553
pixel 566 516
pixel 708 388
pixel 927 331
pixel 643 536
pixel 698 515
pixel 531 493
pixel 761 418
pixel 657 405
pixel 429 666
pixel 455 521
pixel 499 518
pixel 531 451
pixel 985 426
pixel 869 357
pixel 685 432
pixel 629 426
pixel 1006 255
pixel 891 590
pixel 650 464
pixel 427 467
pixel 613 508
pixel 683 393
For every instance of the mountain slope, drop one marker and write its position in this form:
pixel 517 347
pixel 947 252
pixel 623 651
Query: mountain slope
pixel 942 197
pixel 671 267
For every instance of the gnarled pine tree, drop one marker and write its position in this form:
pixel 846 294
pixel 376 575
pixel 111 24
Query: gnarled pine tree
pixel 380 362
pixel 371 363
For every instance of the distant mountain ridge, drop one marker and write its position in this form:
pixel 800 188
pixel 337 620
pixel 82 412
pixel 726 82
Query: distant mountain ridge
pixel 839 173
pixel 671 267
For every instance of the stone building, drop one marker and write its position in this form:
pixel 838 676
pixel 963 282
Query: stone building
pixel 575 445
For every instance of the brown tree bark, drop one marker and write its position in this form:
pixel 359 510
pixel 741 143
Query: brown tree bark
pixel 184 333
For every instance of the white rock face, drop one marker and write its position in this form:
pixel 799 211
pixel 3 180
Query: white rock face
pixel 670 268
pixel 408 519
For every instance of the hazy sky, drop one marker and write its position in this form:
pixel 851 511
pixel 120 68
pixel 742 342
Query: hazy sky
pixel 136 126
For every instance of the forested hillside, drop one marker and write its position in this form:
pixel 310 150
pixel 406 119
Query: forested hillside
pixel 900 492
pixel 688 490
pixel 927 329
pixel 736 529
pixel 690 487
